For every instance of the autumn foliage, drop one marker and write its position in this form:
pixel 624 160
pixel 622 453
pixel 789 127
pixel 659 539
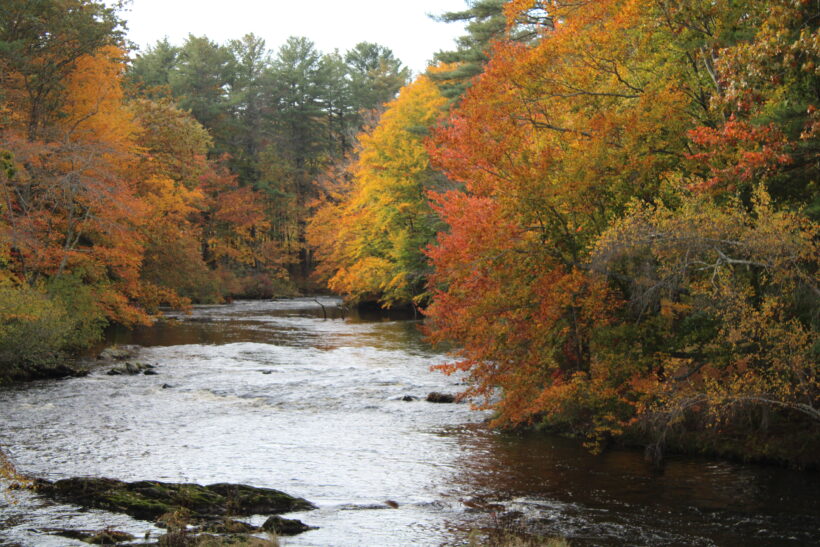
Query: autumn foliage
pixel 107 200
pixel 375 219
pixel 615 224
pixel 635 243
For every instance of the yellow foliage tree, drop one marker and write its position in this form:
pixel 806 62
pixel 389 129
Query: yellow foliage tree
pixel 371 238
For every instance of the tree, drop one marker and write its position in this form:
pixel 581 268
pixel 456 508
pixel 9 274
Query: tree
pixel 70 205
pixel 721 308
pixel 299 122
pixel 376 75
pixel 149 73
pixel 40 42
pixel 173 160
pixel 766 92
pixel 275 120
pixel 340 113
pixel 620 104
pixel 201 82
pixel 299 75
pixel 485 23
pixel 383 219
pixel 250 95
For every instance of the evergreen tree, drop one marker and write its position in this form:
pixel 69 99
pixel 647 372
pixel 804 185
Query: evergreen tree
pixel 201 83
pixel 150 73
pixel 376 75
pixel 249 99
pixel 485 22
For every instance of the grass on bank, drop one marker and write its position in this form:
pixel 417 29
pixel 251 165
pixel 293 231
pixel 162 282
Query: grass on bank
pixel 507 538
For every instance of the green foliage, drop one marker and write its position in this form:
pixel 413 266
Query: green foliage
pixel 485 22
pixel 87 318
pixel 375 75
pixel 204 72
pixel 249 97
pixel 149 73
pixel 34 329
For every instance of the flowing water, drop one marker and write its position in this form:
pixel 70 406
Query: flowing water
pixel 272 394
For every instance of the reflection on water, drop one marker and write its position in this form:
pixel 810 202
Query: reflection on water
pixel 552 486
pixel 274 395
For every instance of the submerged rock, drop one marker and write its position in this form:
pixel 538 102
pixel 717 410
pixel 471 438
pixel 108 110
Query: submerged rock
pixel 409 398
pixel 436 397
pixel 148 500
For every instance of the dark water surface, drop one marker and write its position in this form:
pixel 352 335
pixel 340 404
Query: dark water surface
pixel 271 394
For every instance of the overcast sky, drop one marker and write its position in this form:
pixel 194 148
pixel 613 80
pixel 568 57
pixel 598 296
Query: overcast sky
pixel 401 25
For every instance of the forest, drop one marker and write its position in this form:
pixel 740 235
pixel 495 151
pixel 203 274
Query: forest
pixel 609 208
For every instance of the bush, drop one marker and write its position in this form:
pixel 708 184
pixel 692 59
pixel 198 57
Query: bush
pixel 86 316
pixel 34 329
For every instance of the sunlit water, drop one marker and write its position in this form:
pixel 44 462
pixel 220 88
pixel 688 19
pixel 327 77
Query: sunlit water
pixel 272 394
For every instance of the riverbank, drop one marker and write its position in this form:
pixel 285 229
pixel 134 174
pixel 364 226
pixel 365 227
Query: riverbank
pixel 49 371
pixel 781 440
pixel 796 445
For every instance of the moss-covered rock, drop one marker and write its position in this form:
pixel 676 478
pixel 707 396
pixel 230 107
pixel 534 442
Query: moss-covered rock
pixel 148 500
pixel 226 526
pixel 93 537
pixel 118 353
pixel 249 500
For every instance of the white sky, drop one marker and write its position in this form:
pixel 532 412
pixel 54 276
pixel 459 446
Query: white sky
pixel 401 25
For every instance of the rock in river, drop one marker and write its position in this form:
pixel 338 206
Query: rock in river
pixel 118 353
pixel 436 397
pixel 131 369
pixel 94 537
pixel 148 500
pixel 46 372
pixel 285 527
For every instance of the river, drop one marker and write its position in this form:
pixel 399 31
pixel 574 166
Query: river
pixel 272 394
